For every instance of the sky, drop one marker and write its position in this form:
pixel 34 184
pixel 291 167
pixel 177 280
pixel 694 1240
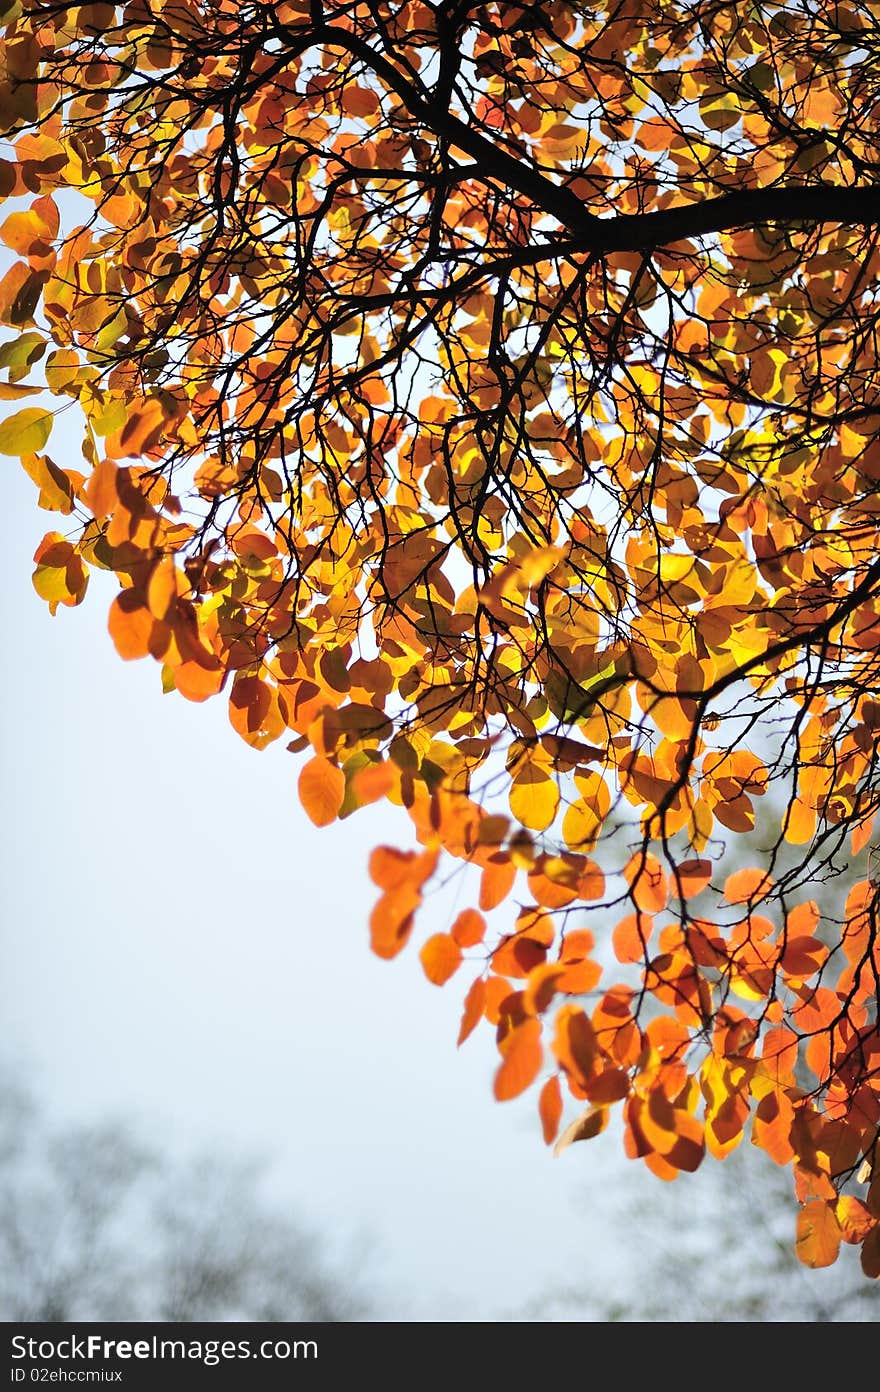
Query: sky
pixel 184 949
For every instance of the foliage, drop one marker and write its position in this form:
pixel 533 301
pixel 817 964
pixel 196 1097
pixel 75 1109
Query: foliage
pixel 716 1251
pixel 487 396
pixel 95 1224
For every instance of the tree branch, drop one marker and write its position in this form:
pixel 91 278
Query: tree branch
pixel 819 203
pixel 815 204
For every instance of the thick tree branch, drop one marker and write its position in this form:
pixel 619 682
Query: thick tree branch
pixel 745 208
pixel 816 204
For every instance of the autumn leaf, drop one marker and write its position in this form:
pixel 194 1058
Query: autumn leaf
pixel 550 1109
pixel 818 1234
pixel 26 432
pixel 469 928
pixel 440 957
pixel 591 1123
pixel 522 1056
pixel 513 456
pixel 321 790
pixel 534 798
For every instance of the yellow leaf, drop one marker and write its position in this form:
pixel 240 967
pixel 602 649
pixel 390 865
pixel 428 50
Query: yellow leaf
pixel 13 391
pixel 581 826
pixel 534 798
pixel 26 432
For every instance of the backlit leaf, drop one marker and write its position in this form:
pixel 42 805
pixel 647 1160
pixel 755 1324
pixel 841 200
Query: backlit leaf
pixel 591 1123
pixel 818 1234
pixel 321 790
pixel 26 432
pixel 440 957
pixel 522 1056
pixel 534 798
pixel 550 1109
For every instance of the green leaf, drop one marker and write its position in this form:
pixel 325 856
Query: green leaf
pixel 720 111
pixel 19 353
pixel 574 700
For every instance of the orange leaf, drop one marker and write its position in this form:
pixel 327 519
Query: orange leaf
pixel 818 1234
pixel 576 945
pixel 552 894
pixel 21 230
pixel 801 823
pixel 497 992
pixel 390 867
pixel 490 112
pixel 611 1085
pixel 616 1030
pixel 131 625
pixel 631 936
pixel 19 294
pixel 58 487
pixel 474 1002
pixel 591 884
pixel 374 782
pixel 668 1037
pixel 359 101
pixel 321 790
pixel 647 880
pixel 691 877
pixel 861 835
pixel 440 957
pixel 774 1116
pixel 575 1045
pixel 579 977
pixel 496 882
pixel 518 955
pixel 198 680
pixel 748 886
pixel 780 1051
pixel 854 1219
pixel 521 1060
pixel 541 986
pixel 550 1109
pixel 469 928
pixel 391 921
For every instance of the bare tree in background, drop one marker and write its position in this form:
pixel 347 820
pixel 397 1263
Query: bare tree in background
pixel 719 1249
pixel 97 1225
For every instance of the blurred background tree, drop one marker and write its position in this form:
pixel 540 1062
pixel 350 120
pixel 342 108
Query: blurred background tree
pixel 718 1248
pixel 98 1224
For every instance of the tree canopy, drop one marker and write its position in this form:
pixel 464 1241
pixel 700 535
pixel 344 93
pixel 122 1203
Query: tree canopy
pixel 485 399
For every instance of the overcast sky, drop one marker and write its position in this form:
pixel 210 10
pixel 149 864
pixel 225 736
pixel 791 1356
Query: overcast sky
pixel 182 947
